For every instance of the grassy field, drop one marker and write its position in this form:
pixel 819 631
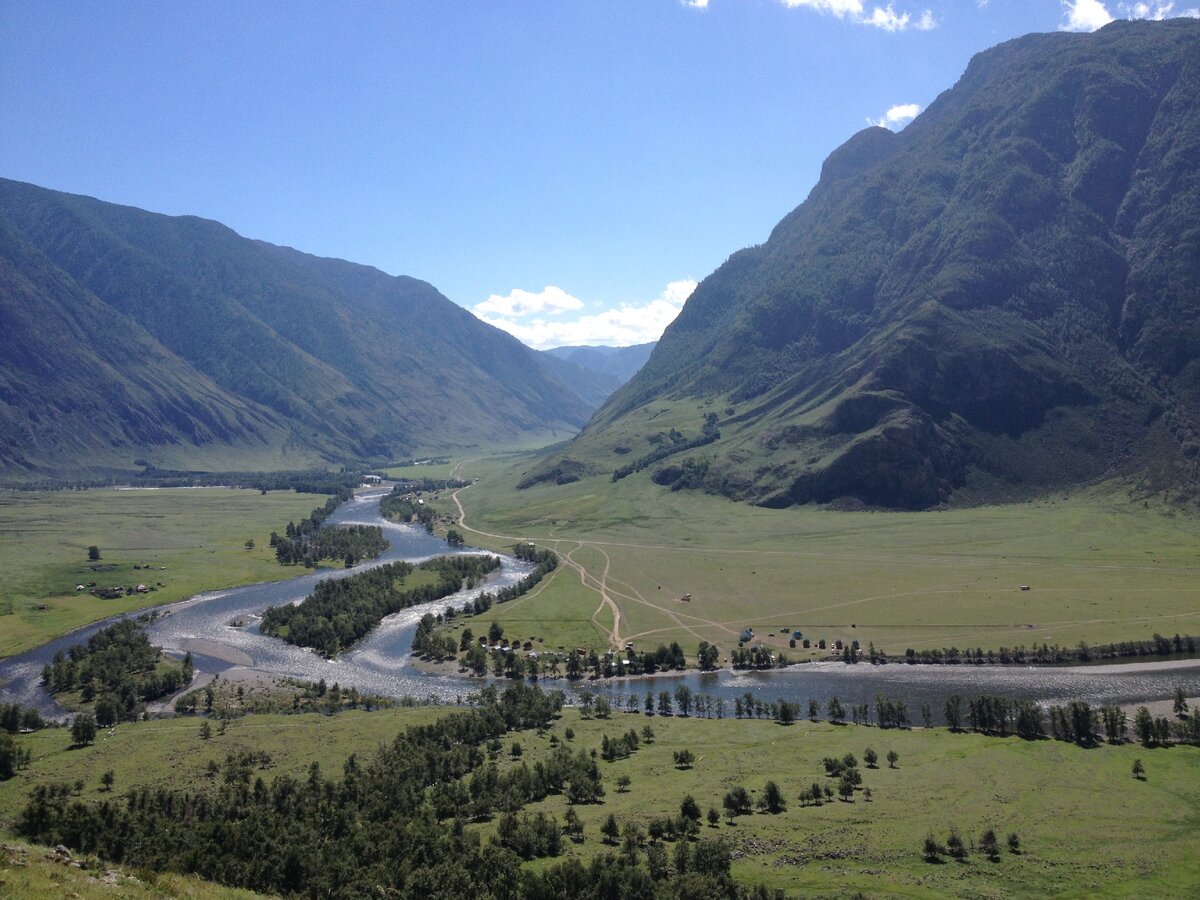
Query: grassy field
pixel 27 870
pixel 1086 826
pixel 1099 566
pixel 199 537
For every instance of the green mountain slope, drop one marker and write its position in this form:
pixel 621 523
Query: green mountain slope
pixel 1003 297
pixel 209 340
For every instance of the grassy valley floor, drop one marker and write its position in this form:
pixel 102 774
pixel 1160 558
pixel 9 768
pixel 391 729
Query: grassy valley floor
pixel 198 535
pixel 1098 565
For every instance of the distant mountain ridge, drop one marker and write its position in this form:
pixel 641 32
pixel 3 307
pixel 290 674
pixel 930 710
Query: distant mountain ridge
pixel 1002 298
pixel 621 363
pixel 595 372
pixel 131 334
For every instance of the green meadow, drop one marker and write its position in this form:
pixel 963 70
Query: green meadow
pixel 191 539
pixel 1086 826
pixel 1098 565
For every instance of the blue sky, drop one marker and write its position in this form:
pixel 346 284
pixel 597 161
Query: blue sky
pixel 565 168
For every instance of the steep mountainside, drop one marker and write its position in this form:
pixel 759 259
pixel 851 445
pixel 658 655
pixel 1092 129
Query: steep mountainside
pixel 129 334
pixel 1003 297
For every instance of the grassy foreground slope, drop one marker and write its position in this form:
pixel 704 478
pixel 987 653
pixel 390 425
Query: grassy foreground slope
pixel 1086 827
pixel 198 535
pixel 1099 565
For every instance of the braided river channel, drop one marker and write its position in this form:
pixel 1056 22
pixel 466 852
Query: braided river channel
pixel 220 629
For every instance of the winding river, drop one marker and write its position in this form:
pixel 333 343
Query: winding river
pixel 381 663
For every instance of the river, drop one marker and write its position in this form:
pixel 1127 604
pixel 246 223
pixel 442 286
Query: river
pixel 381 663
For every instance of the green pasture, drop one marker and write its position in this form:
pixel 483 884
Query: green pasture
pixel 198 535
pixel 1086 826
pixel 1099 565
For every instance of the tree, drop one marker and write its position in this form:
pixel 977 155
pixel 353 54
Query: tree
pixel 622 784
pixel 205 730
pixel 892 757
pixel 689 808
pixel 870 757
pixel 684 758
pixel 736 803
pixel 610 829
pixel 772 799
pixel 107 780
pixel 1143 725
pixel 953 712
pixel 1014 842
pixel 572 825
pixel 989 845
pixel 683 698
pixel 836 712
pixel 250 544
pixel 1139 770
pixel 714 817
pixel 93 553
pixel 955 846
pixel 1181 705
pixel 846 789
pixel 933 850
pixel 83 730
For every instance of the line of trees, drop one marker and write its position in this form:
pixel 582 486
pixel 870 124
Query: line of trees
pixel 341 611
pixel 1050 654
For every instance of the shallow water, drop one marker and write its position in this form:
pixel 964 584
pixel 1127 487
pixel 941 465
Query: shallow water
pixel 381 663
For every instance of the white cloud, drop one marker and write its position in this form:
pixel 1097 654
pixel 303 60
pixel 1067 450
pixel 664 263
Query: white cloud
pixel 1088 15
pixel 551 300
pixel 695 4
pixel 1084 15
pixel 898 115
pixel 884 17
pixel 628 323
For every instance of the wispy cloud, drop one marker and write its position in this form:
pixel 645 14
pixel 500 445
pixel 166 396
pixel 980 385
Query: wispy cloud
pixel 1088 15
pixel 883 17
pixel 898 116
pixel 628 323
pixel 695 4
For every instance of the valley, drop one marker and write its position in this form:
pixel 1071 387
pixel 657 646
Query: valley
pixel 865 564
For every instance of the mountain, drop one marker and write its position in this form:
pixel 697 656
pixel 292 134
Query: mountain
pixel 595 372
pixel 129 334
pixel 1002 298
pixel 620 363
